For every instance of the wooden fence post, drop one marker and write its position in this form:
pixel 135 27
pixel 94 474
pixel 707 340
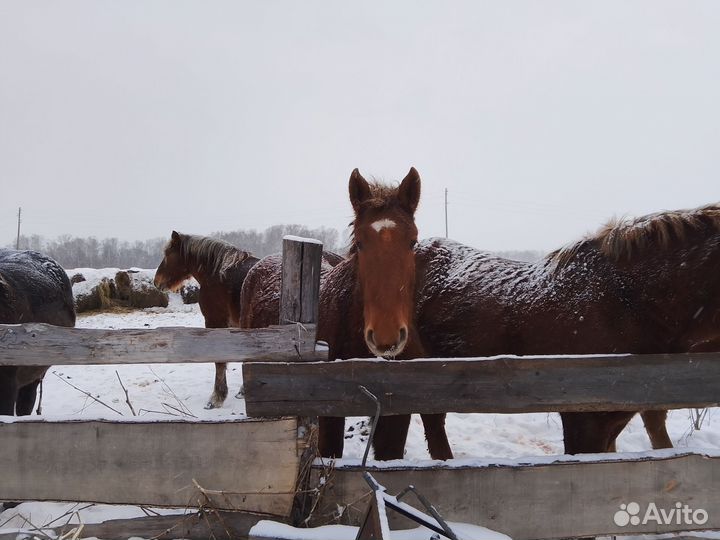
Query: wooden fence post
pixel 300 291
pixel 299 300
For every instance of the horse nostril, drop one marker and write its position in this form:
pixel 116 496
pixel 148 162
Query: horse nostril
pixel 403 335
pixel 370 337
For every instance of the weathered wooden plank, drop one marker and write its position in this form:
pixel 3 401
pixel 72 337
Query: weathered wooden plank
pixel 290 305
pixel 36 344
pixel 558 500
pixel 254 464
pixel 310 282
pixel 490 385
pixel 300 280
pixel 195 526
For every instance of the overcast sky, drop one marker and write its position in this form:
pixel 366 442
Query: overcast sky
pixel 542 119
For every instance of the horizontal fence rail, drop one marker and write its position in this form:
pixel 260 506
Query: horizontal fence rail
pixel 232 465
pixel 503 384
pixel 564 499
pixel 36 344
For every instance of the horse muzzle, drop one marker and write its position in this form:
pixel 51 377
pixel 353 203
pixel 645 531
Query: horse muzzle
pixel 384 347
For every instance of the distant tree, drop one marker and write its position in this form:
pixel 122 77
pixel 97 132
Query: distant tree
pixel 75 252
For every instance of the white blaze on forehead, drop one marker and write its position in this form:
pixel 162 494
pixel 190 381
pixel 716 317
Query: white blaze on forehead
pixel 383 224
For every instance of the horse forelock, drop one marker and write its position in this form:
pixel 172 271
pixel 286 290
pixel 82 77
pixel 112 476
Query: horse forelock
pixel 209 254
pixel 383 197
pixel 626 238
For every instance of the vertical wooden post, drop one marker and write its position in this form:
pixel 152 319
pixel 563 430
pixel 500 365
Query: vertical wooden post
pixel 299 301
pixel 300 291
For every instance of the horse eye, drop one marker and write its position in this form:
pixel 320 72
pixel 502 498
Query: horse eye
pixel 413 243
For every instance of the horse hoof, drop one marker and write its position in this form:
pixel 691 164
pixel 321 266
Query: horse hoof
pixel 209 405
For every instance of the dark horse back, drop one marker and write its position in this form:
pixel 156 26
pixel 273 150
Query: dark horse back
pixel 33 288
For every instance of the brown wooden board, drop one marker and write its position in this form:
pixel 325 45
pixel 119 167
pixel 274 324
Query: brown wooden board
pixel 300 280
pixel 558 500
pixel 490 385
pixel 243 465
pixel 36 344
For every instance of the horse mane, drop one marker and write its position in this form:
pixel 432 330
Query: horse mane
pixel 625 238
pixel 382 196
pixel 210 254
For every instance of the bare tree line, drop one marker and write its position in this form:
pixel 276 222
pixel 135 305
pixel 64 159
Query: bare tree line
pixel 91 252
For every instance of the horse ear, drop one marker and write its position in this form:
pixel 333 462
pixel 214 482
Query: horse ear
pixel 175 236
pixel 359 190
pixel 409 190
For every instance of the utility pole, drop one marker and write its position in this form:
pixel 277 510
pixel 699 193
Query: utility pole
pixel 17 242
pixel 446 227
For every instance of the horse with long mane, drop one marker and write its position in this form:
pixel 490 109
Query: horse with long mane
pixel 33 288
pixel 648 285
pixel 366 306
pixel 220 268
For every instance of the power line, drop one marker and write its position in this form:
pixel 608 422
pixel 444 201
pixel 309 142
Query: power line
pixel 446 222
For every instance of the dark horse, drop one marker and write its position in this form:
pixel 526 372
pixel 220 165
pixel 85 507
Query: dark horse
pixel 367 302
pixel 648 285
pixel 33 288
pixel 220 269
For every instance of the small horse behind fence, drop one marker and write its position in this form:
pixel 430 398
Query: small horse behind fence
pixel 220 269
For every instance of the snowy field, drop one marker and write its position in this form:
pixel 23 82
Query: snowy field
pixel 172 391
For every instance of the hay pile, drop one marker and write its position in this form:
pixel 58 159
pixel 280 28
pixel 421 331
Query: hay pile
pixel 97 290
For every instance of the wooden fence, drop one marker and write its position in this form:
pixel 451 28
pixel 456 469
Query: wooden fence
pixel 250 469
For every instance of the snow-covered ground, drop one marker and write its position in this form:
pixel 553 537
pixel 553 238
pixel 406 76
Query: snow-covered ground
pixel 167 391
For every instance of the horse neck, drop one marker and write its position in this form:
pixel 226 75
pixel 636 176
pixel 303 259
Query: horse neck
pixel 682 287
pixel 198 269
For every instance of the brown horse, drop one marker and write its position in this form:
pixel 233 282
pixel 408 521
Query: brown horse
pixel 33 288
pixel 220 269
pixel 367 303
pixel 648 285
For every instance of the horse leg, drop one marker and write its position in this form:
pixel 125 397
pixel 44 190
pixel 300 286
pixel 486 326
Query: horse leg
pixel 656 429
pixel 26 399
pixel 8 390
pixel 587 433
pixel 220 390
pixel 390 436
pixel 435 435
pixel 331 436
